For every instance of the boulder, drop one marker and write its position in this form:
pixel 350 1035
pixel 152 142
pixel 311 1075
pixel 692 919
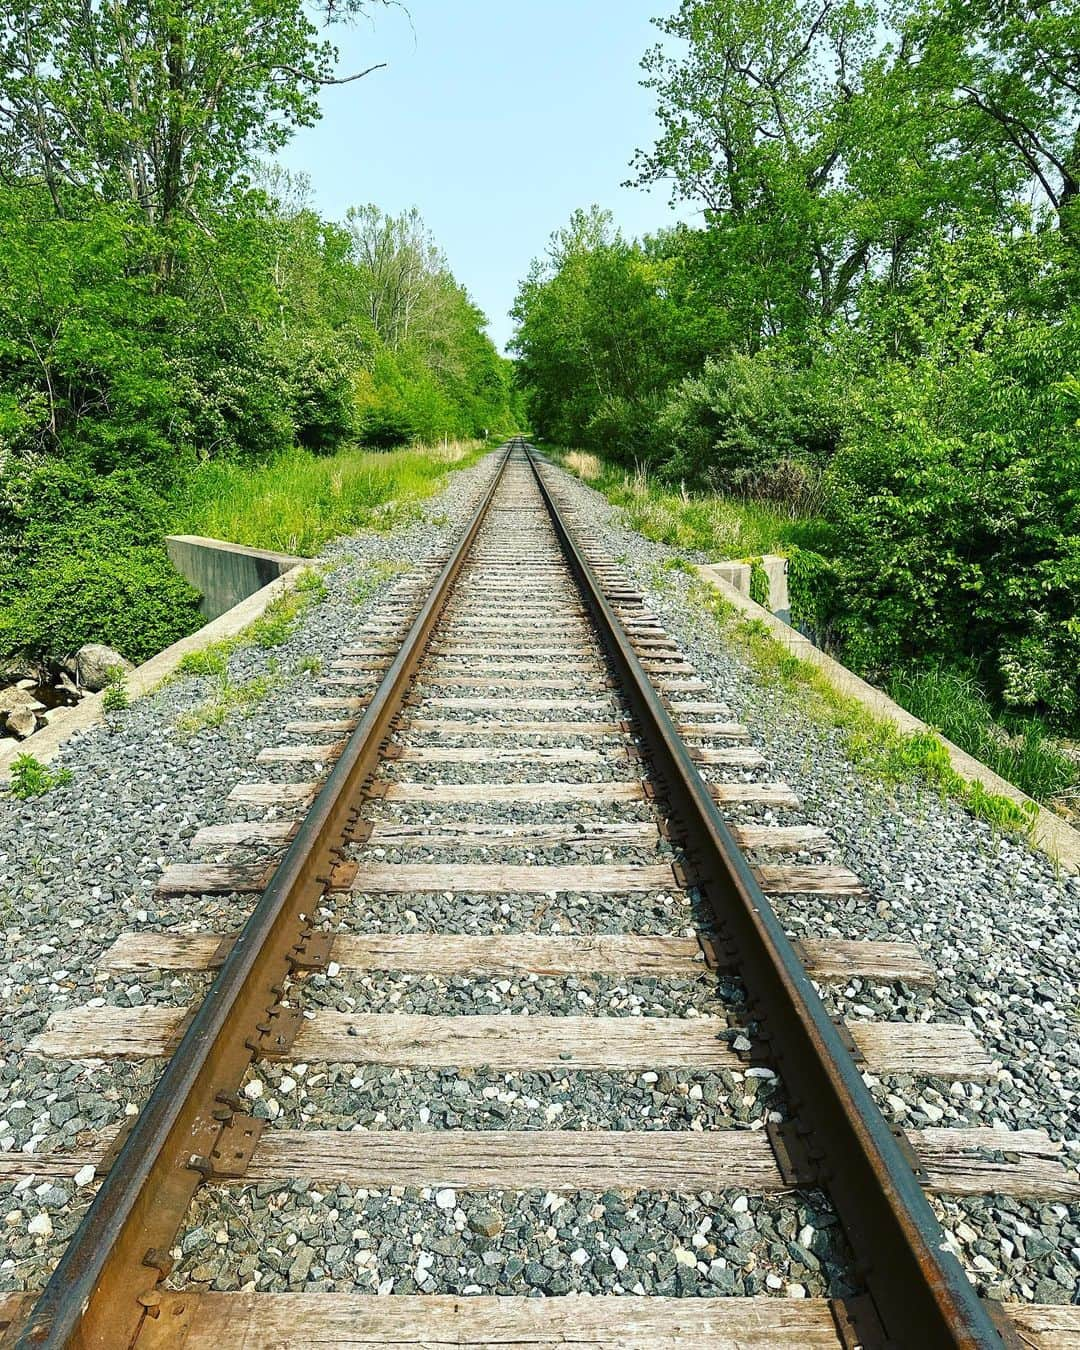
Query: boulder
pixel 14 699
pixel 21 723
pixel 66 685
pixel 94 662
pixel 19 668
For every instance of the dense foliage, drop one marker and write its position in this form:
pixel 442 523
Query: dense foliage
pixel 878 324
pixel 166 302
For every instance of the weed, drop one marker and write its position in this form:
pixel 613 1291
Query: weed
pixel 311 582
pixel 309 665
pixel 759 582
pixel 376 576
pixel 586 466
pixel 31 778
pixel 958 708
pixel 273 627
pixel 207 662
pixel 229 697
pixel 115 697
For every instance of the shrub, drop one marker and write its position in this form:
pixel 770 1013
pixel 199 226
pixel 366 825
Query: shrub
pixel 753 425
pixel 812 591
pixel 84 561
pixel 132 601
pixel 31 778
pixel 115 697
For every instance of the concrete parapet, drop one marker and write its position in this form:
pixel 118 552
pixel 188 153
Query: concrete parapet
pixel 737 575
pixel 225 573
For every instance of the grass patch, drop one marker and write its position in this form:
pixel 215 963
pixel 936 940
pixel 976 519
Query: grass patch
pixel 270 629
pixel 273 627
pixel 229 696
pixel 722 527
pixel 877 746
pixel 31 778
pixel 376 575
pixel 299 500
pixel 957 707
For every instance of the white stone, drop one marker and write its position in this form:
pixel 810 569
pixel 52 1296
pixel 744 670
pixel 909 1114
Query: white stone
pixel 619 1259
pixel 446 1199
pixel 40 1225
pixel 253 1090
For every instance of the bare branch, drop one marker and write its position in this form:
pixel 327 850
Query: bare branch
pixel 321 80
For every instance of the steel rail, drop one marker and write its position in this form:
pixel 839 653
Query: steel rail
pixel 920 1293
pixel 103 1288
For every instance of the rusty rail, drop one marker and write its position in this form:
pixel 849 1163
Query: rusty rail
pixel 918 1292
pixel 103 1288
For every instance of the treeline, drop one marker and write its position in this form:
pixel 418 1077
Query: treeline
pixel 166 299
pixel 878 325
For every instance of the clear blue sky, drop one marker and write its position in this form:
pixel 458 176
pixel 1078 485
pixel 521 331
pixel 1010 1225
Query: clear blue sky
pixel 496 118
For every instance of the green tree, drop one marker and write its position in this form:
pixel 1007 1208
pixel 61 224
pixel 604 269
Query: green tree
pixel 596 336
pixel 159 103
pixel 1007 77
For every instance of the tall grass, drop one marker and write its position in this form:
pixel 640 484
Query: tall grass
pixel 721 527
pixel 298 501
pixel 956 706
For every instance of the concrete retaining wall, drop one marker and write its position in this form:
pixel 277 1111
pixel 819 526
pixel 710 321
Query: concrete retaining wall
pixel 225 573
pixel 737 574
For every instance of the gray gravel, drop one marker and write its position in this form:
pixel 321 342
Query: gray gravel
pixel 997 920
pixel 409 1241
pixel 78 866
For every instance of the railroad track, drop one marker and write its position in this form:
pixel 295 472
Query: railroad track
pixel 513 726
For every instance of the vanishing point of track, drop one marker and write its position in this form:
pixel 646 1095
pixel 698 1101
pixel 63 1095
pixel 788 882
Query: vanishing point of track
pixel 521 612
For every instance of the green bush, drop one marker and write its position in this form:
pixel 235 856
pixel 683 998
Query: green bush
pixel 132 600
pixel 752 425
pixel 84 561
pixel 31 778
pixel 812 591
pixel 958 536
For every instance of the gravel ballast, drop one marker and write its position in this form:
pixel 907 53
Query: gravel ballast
pixel 79 865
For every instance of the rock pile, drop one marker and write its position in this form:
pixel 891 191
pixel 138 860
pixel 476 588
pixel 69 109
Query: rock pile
pixel 20 712
pixel 22 709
